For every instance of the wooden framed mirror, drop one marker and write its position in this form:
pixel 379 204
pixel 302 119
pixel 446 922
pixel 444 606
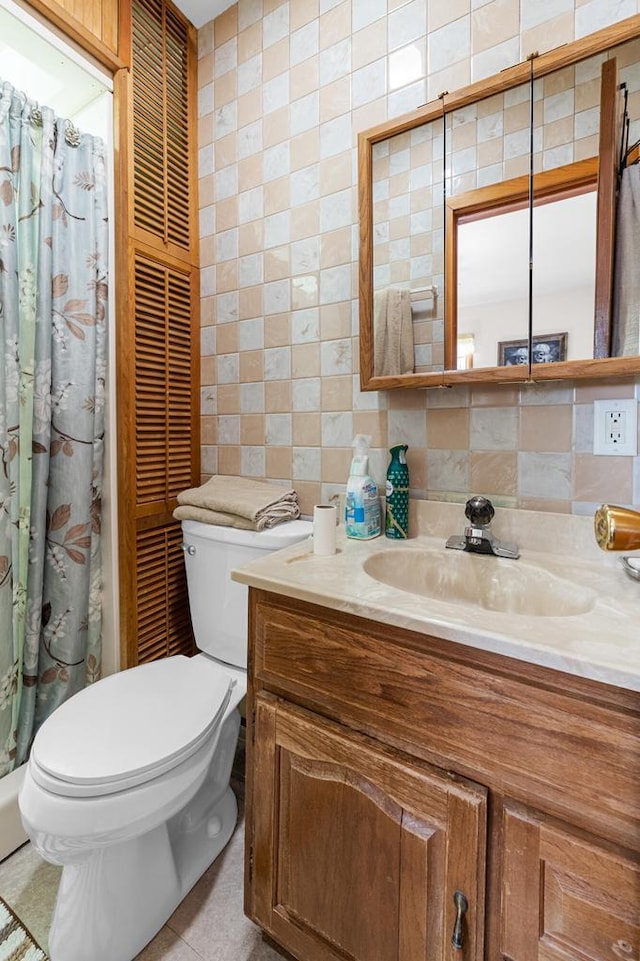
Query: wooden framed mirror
pixel 503 157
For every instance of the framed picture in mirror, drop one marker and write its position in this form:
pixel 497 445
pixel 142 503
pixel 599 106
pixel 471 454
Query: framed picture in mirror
pixel 545 349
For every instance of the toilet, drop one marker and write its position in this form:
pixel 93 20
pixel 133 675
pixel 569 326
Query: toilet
pixel 127 785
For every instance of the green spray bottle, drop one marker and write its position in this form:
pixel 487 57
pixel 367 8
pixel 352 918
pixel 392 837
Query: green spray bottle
pixel 397 491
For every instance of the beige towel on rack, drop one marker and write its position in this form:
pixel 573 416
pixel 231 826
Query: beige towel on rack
pixel 392 332
pixel 626 287
pixel 231 501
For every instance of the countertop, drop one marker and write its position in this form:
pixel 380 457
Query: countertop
pixel 602 644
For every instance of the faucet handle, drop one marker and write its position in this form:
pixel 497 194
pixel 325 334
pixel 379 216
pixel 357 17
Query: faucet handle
pixel 479 510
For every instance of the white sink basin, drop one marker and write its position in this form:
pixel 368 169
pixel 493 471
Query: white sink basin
pixel 492 583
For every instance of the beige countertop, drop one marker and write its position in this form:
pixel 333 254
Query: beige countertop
pixel 558 555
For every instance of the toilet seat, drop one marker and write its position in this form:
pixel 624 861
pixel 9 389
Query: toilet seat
pixel 130 727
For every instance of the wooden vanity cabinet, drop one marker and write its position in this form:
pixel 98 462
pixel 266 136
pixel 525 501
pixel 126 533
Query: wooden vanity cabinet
pixel 358 846
pixel 390 773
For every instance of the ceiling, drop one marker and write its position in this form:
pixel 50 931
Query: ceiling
pixel 200 12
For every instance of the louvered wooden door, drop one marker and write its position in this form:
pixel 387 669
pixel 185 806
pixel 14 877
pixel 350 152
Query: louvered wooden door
pixel 164 174
pixel 159 360
pixel 163 384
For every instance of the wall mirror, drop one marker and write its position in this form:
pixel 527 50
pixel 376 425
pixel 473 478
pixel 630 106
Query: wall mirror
pixel 488 225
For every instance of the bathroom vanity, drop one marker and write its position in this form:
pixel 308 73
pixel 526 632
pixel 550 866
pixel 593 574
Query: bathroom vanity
pixel 429 779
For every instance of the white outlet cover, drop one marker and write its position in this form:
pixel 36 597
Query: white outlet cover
pixel 601 444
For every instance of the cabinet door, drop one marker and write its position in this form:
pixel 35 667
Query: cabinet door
pixel 566 896
pixel 356 851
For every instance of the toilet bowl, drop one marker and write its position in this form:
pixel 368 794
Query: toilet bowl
pixel 127 785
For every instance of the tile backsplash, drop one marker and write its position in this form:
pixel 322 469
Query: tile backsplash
pixel 283 90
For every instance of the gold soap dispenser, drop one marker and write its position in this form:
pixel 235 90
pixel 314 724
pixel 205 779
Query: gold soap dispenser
pixel 617 528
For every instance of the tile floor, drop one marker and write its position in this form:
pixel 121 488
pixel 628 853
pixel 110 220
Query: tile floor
pixel 209 925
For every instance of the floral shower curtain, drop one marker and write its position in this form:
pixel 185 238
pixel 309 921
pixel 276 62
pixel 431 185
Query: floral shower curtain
pixel 53 330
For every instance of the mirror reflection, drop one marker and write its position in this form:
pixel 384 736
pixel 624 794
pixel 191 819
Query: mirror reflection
pixel 487 211
pixel 625 333
pixel 493 284
pixel 447 291
pixel 408 252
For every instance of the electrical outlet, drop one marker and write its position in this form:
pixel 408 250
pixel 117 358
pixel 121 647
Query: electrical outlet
pixel 615 427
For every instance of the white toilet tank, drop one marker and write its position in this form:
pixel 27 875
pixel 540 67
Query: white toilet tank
pixel 218 604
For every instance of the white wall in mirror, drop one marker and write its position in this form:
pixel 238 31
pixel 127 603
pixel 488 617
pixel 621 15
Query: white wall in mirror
pixel 493 276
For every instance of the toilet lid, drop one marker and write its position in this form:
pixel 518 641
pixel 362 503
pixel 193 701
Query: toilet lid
pixel 131 726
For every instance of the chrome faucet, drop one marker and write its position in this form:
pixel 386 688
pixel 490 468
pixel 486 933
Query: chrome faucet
pixel 477 537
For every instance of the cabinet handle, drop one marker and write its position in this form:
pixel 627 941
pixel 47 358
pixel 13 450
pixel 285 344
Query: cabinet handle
pixel 462 906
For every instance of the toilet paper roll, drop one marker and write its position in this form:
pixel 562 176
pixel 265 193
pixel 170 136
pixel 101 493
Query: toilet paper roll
pixel 324 529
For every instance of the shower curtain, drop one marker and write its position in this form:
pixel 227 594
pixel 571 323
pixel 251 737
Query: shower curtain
pixel 53 330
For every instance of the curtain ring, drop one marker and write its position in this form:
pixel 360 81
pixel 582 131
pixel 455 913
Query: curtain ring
pixel 71 134
pixel 35 117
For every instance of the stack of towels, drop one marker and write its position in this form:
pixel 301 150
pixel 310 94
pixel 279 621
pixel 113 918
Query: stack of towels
pixel 246 502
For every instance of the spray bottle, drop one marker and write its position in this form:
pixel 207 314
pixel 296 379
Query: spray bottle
pixel 362 505
pixel 397 513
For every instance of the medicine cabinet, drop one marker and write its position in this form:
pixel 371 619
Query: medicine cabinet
pixel 488 219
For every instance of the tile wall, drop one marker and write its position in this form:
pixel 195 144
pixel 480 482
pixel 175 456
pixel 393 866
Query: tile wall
pixel 284 88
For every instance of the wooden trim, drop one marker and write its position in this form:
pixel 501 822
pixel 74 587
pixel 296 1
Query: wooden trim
pixel 500 375
pixel 75 31
pixel 195 377
pixel 391 128
pixel 633 156
pixel 451 286
pixel 565 181
pixel 250 766
pixel 365 261
pixel 173 259
pixel 610 133
pixel 124 32
pixel 194 200
pixel 163 517
pixel 597 368
pixel 124 373
pixel 167 252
